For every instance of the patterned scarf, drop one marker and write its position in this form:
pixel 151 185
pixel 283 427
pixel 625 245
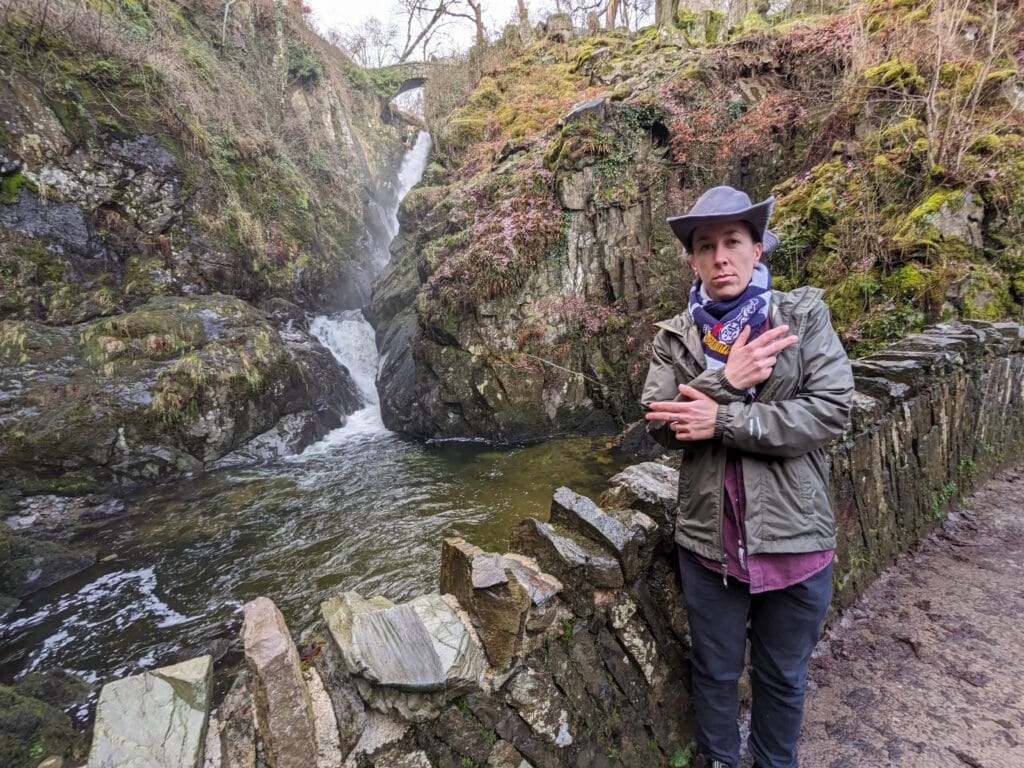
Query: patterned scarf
pixel 720 322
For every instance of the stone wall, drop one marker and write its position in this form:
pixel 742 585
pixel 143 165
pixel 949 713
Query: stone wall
pixel 572 649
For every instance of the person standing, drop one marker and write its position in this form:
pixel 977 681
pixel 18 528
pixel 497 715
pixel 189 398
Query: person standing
pixel 751 385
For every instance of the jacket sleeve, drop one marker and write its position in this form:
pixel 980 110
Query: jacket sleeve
pixel 662 384
pixel 816 414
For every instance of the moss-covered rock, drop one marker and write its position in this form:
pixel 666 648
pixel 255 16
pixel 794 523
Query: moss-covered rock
pixel 170 387
pixel 31 730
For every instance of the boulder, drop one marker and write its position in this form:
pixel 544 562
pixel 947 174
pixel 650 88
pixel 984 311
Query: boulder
pixel 284 715
pixel 157 718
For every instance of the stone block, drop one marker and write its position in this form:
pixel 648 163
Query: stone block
pixel 284 716
pixel 409 658
pixel 503 596
pixel 157 718
pixel 583 516
pixel 574 561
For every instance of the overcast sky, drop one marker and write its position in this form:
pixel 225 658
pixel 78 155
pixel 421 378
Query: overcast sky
pixel 346 14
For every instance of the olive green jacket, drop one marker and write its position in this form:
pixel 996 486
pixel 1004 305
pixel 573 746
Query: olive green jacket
pixel 780 437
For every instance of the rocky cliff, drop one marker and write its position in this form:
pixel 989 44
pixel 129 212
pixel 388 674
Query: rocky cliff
pixel 178 183
pixel 535 256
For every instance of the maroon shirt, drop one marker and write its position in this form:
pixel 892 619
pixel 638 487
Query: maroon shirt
pixel 762 572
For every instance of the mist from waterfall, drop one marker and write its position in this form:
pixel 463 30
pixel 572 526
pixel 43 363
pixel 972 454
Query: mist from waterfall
pixel 348 335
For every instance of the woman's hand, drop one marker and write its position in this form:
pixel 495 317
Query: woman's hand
pixel 750 364
pixel 690 419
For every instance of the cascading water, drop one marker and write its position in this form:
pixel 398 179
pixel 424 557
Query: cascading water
pixel 348 335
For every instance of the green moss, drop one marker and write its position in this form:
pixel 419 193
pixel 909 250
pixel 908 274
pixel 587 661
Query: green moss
pixel 908 282
pixel 897 75
pixel 31 730
pixel 10 188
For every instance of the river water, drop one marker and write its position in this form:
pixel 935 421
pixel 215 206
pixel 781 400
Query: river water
pixel 361 510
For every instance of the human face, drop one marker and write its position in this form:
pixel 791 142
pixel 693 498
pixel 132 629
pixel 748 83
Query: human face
pixel 724 256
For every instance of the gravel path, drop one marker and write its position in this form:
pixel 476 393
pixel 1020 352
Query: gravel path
pixel 927 668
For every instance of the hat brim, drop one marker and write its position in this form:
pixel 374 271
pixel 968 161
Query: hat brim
pixel 684 226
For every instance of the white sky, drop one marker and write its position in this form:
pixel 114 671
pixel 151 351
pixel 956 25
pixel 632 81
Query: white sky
pixel 345 14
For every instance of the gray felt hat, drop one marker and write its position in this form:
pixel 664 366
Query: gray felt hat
pixel 726 204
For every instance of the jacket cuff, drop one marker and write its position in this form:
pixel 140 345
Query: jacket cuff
pixel 723 382
pixel 721 420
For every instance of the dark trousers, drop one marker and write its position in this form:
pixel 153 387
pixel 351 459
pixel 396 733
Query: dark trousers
pixel 783 627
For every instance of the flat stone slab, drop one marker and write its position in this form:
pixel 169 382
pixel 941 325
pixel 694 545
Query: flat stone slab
pixel 420 646
pixel 155 719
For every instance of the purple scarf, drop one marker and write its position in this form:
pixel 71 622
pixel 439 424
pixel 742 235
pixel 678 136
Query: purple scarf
pixel 720 322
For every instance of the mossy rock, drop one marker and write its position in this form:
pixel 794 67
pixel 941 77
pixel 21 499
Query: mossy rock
pixel 897 75
pixel 31 730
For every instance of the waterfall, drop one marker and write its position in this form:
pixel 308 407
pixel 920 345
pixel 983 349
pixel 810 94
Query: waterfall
pixel 347 334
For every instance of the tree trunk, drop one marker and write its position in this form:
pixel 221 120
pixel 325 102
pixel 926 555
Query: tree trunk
pixel 481 36
pixel 665 12
pixel 524 17
pixel 613 8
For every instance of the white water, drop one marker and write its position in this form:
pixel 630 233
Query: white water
pixel 351 339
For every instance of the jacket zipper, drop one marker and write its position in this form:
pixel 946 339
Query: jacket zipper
pixel 721 522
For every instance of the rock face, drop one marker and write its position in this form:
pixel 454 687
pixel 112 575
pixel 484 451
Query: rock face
pixel 157 718
pixel 170 387
pixel 284 713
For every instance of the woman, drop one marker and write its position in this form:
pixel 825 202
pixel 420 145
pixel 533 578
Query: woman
pixel 751 384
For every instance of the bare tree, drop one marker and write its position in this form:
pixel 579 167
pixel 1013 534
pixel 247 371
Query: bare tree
pixel 373 44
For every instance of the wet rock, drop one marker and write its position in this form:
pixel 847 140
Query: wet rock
pixel 496 601
pixel 504 755
pixel 325 727
pixel 349 709
pixel 580 514
pixel 283 711
pixel 575 562
pixel 28 724
pixel 397 758
pixel 408 658
pixel 650 488
pixel 170 387
pixel 237 726
pixel 156 718
pixel 36 565
pixel 380 731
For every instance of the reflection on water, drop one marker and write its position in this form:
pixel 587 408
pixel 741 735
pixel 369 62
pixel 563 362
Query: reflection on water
pixel 366 513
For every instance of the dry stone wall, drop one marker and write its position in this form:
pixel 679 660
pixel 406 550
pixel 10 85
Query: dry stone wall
pixel 572 649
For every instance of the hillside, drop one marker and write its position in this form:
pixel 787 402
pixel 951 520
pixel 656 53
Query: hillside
pixel 537 257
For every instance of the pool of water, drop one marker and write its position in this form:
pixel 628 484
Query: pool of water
pixel 365 510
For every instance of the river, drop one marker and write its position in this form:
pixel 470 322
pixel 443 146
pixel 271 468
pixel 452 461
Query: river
pixel 362 510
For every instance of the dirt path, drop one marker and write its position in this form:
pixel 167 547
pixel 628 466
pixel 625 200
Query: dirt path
pixel 927 669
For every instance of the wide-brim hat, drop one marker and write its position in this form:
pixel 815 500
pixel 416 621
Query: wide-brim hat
pixel 726 204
